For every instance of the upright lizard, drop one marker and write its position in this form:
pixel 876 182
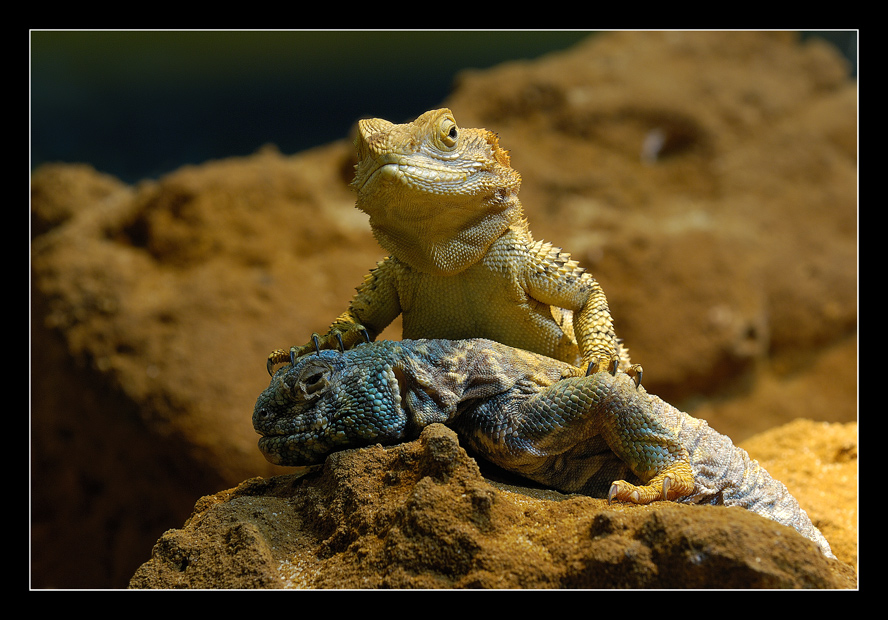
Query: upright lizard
pixel 543 419
pixel 444 202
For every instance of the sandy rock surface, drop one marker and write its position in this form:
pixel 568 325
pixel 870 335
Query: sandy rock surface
pixel 420 515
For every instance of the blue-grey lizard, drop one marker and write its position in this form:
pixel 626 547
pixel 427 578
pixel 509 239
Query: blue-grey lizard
pixel 601 435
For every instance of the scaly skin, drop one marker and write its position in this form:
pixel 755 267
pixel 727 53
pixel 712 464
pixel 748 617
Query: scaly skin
pixel 444 202
pixel 600 435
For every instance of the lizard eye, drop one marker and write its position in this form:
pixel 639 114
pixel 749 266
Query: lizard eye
pixel 448 132
pixel 311 381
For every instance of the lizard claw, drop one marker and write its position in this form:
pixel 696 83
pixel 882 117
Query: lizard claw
pixel 598 364
pixel 626 492
pixel 276 357
pixel 636 371
pixel 279 356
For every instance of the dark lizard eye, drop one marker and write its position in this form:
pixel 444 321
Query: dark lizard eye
pixel 313 381
pixel 310 382
pixel 448 133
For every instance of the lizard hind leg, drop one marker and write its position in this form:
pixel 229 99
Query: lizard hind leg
pixel 677 480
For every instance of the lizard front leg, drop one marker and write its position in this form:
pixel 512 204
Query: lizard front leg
pixel 554 278
pixel 373 307
pixel 601 350
pixel 642 440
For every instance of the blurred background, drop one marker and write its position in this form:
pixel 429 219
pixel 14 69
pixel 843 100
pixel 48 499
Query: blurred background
pixel 141 104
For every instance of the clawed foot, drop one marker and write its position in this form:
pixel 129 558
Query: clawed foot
pixel 675 481
pixel 278 356
pixel 599 364
pixel 635 371
pixel 338 339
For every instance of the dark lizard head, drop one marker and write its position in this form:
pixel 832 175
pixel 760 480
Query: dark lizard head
pixel 329 401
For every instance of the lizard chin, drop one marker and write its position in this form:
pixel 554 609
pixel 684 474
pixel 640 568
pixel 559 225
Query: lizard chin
pixel 268 451
pixel 270 447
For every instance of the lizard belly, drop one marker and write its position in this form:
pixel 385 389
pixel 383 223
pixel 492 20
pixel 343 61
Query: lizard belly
pixel 482 303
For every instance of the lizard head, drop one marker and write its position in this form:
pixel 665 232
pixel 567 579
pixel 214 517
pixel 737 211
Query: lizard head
pixel 327 402
pixel 437 195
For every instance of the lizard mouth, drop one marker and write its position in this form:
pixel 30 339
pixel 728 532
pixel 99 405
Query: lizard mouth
pixel 267 445
pixel 419 172
pixel 275 450
pixel 399 385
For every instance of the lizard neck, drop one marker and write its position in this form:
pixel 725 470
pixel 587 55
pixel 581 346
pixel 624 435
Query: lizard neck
pixel 443 236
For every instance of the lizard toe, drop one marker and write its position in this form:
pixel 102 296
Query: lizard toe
pixel 599 364
pixel 278 356
pixel 627 492
pixel 636 371
pixel 675 481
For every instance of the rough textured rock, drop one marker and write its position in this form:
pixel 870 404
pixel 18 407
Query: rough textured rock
pixel 420 515
pixel 708 180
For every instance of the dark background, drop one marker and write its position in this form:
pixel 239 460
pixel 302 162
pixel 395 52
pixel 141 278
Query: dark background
pixel 140 104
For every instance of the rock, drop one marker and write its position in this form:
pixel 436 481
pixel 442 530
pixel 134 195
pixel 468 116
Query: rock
pixel 707 180
pixel 817 461
pixel 420 515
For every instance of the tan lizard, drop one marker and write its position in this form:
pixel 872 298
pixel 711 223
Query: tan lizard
pixel 443 201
